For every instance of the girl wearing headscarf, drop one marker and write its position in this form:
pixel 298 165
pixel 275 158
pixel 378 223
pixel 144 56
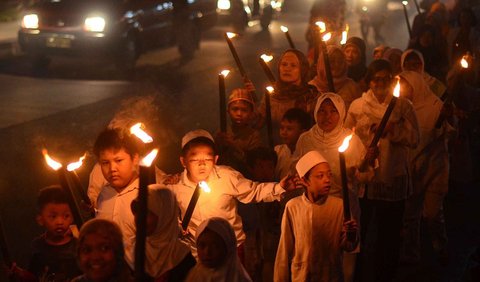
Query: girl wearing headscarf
pixel 429 168
pixel 344 86
pixel 412 60
pixel 325 137
pixel 355 55
pixel 393 55
pixel 217 253
pixel 386 193
pixel 291 90
pixel 167 257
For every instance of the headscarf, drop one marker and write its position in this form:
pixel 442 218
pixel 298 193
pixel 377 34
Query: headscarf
pixel 388 55
pixel 357 72
pixel 164 250
pixel 430 80
pixel 320 81
pixel 288 90
pixel 232 270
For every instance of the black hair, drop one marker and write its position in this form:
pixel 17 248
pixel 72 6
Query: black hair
pixel 470 13
pixel 204 141
pixel 51 195
pixel 300 116
pixel 260 153
pixel 115 139
pixel 377 66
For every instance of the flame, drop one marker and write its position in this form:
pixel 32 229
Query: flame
pixel 327 36
pixel 266 58
pixel 204 186
pixel 51 162
pixel 345 143
pixel 405 3
pixel 231 35
pixel 284 28
pixel 225 73
pixel 464 62
pixel 270 89
pixel 148 159
pixel 321 25
pixel 138 131
pixel 75 165
pixel 396 90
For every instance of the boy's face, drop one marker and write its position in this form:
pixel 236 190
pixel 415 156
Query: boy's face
pixel 264 170
pixel 118 167
pixel 199 162
pixel 240 112
pixel 211 248
pixel 96 257
pixel 319 180
pixel 290 131
pixel 56 219
pixel 327 116
pixel 352 55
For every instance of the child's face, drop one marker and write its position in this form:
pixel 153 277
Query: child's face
pixel 319 180
pixel 289 69
pixel 240 112
pixel 199 162
pixel 118 167
pixel 56 219
pixel 352 55
pixel 290 131
pixel 337 63
pixel 97 257
pixel 211 248
pixel 264 170
pixel 327 116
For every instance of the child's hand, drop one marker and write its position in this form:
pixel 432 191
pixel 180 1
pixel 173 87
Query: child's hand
pixel 291 182
pixel 172 179
pixel 350 226
pixel 372 155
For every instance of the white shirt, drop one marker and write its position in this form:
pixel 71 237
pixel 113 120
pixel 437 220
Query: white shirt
pixel 284 162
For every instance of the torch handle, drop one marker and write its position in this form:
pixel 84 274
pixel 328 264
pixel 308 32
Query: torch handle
pixel 290 41
pixel 235 56
pixel 328 69
pixel 141 223
pixel 407 21
pixel 191 208
pixel 7 259
pixel 78 185
pixel 268 117
pixel 62 175
pixel 267 70
pixel 383 122
pixel 223 103
pixel 417 6
pixel 346 198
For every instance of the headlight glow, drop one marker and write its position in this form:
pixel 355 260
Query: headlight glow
pixel 30 21
pixel 95 24
pixel 223 4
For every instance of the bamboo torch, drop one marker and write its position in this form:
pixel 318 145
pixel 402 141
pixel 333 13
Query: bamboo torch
pixel 326 61
pixel 71 171
pixel 139 132
pixel 268 114
pixel 223 100
pixel 263 60
pixel 202 185
pixel 287 35
pixel 405 3
pixel 346 195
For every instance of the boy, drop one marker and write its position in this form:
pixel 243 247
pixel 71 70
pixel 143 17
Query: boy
pixel 313 234
pixel 294 122
pixel 117 154
pixel 227 185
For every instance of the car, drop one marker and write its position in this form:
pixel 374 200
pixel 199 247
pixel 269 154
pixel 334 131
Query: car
pixel 120 29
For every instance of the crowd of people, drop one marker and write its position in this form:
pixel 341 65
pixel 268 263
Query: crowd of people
pixel 278 213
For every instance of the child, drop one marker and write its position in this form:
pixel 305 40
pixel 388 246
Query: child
pixel 54 252
pixel 227 186
pixel 118 157
pixel 100 253
pixel 313 234
pixel 217 253
pixel 294 123
pixel 167 257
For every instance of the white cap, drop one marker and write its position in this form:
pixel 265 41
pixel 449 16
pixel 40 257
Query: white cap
pixel 195 134
pixel 308 161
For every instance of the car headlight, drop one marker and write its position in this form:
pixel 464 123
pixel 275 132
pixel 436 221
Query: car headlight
pixel 223 4
pixel 95 24
pixel 30 21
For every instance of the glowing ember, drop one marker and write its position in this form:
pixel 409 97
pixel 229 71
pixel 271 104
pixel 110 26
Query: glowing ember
pixel 138 131
pixel 321 25
pixel 405 3
pixel 266 58
pixel 270 89
pixel 204 186
pixel 51 162
pixel 345 143
pixel 327 36
pixel 464 62
pixel 284 28
pixel 231 35
pixel 75 165
pixel 225 73
pixel 396 90
pixel 148 159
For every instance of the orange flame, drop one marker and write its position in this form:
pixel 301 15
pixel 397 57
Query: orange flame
pixel 345 35
pixel 321 25
pixel 204 186
pixel 137 130
pixel 225 73
pixel 148 159
pixel 51 162
pixel 270 89
pixel 345 144
pixel 464 62
pixel 231 35
pixel 75 165
pixel 326 36
pixel 284 28
pixel 396 90
pixel 266 58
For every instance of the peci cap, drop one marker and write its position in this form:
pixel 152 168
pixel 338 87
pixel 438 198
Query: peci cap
pixel 195 134
pixel 241 94
pixel 308 161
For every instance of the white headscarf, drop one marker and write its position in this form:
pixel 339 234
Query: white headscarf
pixel 164 250
pixel 428 78
pixel 232 270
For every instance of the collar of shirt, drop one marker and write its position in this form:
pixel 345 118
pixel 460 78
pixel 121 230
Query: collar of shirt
pixel 132 186
pixel 211 177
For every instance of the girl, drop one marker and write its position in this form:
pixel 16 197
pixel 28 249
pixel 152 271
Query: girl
pixel 217 253
pixel 356 58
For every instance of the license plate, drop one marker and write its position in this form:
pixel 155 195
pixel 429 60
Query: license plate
pixel 59 42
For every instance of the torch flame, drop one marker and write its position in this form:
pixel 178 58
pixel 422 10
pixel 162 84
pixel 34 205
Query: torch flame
pixel 464 62
pixel 327 36
pixel 51 162
pixel 75 165
pixel 284 28
pixel 396 90
pixel 204 186
pixel 345 143
pixel 224 73
pixel 270 89
pixel 138 131
pixel 321 25
pixel 405 3
pixel 231 35
pixel 148 159
pixel 266 58
pixel 345 35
